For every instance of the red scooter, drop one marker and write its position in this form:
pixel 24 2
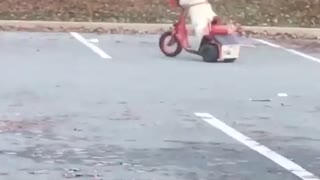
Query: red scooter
pixel 219 45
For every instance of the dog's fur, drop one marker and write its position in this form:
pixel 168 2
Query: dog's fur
pixel 201 15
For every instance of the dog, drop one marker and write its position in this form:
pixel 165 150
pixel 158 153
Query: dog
pixel 201 15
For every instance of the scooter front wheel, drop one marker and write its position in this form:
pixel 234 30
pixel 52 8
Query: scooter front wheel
pixel 168 40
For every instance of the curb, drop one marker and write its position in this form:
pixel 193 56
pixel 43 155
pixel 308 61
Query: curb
pixel 133 28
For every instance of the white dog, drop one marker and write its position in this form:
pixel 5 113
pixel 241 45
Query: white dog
pixel 201 15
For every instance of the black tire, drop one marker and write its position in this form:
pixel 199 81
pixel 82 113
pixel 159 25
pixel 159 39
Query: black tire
pixel 230 60
pixel 162 45
pixel 209 52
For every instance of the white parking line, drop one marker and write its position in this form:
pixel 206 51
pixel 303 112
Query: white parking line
pixel 90 45
pixel 247 45
pixel 275 157
pixel 268 43
pixel 290 50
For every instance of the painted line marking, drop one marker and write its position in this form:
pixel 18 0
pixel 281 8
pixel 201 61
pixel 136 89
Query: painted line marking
pixel 268 43
pixel 290 50
pixel 90 45
pixel 268 153
pixel 248 45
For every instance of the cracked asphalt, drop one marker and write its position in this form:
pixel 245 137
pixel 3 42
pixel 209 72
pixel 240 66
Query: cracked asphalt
pixel 65 112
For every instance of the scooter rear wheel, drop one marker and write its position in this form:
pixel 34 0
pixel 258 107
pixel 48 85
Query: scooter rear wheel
pixel 163 44
pixel 209 52
pixel 230 60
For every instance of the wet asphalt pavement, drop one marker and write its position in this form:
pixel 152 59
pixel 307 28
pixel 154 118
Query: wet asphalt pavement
pixel 65 112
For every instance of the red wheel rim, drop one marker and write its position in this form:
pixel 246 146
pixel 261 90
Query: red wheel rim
pixel 169 48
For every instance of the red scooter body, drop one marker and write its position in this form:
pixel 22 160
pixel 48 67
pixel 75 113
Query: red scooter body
pixel 214 47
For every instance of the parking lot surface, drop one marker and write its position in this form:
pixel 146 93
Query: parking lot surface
pixel 113 107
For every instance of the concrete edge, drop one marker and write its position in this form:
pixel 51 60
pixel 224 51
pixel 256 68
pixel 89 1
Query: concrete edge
pixel 106 27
